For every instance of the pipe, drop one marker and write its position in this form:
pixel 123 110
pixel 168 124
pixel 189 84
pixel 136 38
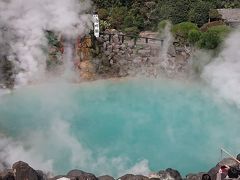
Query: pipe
pixel 222 149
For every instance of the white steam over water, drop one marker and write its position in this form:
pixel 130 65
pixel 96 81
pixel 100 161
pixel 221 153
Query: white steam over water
pixel 223 74
pixel 59 136
pixel 22 29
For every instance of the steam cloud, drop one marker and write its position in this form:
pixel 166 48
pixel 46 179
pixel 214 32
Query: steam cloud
pixel 223 73
pixel 60 137
pixel 22 25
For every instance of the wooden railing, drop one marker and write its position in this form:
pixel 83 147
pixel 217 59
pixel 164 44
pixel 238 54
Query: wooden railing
pixel 135 38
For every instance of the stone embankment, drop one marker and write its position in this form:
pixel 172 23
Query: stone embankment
pixel 22 171
pixel 120 57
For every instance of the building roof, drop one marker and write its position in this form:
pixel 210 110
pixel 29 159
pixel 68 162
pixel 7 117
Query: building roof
pixel 230 15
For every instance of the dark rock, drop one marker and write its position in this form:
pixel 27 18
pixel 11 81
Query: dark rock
pixel 163 175
pixel 41 175
pixel 233 172
pixel 213 172
pixel 197 176
pixel 133 177
pixel 75 173
pixel 81 175
pixel 7 175
pixel 105 177
pixel 23 171
pixel 238 157
pixel 63 177
pixel 174 174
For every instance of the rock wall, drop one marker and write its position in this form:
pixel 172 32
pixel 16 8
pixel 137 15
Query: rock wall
pixel 120 58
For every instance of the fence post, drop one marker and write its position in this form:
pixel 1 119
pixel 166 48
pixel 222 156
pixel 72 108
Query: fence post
pixel 161 42
pixel 122 38
pixel 110 37
pixel 146 40
pixel 135 41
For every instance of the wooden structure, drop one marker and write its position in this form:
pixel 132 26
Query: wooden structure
pixel 230 16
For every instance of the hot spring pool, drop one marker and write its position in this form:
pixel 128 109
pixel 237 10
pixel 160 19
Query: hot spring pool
pixel 112 127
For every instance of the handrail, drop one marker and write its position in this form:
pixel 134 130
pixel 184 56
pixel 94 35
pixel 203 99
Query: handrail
pixel 134 37
pixel 224 150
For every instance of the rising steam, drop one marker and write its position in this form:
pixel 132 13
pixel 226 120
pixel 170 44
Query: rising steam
pixel 22 26
pixel 223 73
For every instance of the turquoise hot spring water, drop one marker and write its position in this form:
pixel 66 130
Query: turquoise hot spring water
pixel 116 126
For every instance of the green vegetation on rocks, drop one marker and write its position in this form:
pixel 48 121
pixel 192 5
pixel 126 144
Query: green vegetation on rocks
pixel 189 18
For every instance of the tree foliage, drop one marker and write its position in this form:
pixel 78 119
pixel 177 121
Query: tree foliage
pixel 190 18
pixel 146 14
pixel 182 29
pixel 199 12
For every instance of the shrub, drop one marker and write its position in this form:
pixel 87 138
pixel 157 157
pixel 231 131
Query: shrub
pixel 139 22
pixel 104 25
pixel 209 40
pixel 194 36
pixel 132 31
pixel 128 21
pixel 182 29
pixel 103 14
pixel 221 30
pixel 213 37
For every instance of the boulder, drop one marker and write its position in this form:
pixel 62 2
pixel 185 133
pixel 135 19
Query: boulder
pixel 133 177
pixel 41 175
pixel 197 176
pixel 174 174
pixel 7 175
pixel 81 175
pixel 115 38
pixel 75 173
pixel 238 157
pixel 169 174
pixel 61 177
pixel 23 171
pixel 163 175
pixel 105 177
pixel 233 172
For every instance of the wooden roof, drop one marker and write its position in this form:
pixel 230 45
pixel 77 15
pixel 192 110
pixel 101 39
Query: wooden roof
pixel 230 15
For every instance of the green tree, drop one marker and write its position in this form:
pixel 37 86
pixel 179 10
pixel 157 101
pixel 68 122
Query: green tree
pixel 116 17
pixel 199 12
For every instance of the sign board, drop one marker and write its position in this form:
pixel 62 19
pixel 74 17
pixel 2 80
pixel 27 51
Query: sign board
pixel 96 25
